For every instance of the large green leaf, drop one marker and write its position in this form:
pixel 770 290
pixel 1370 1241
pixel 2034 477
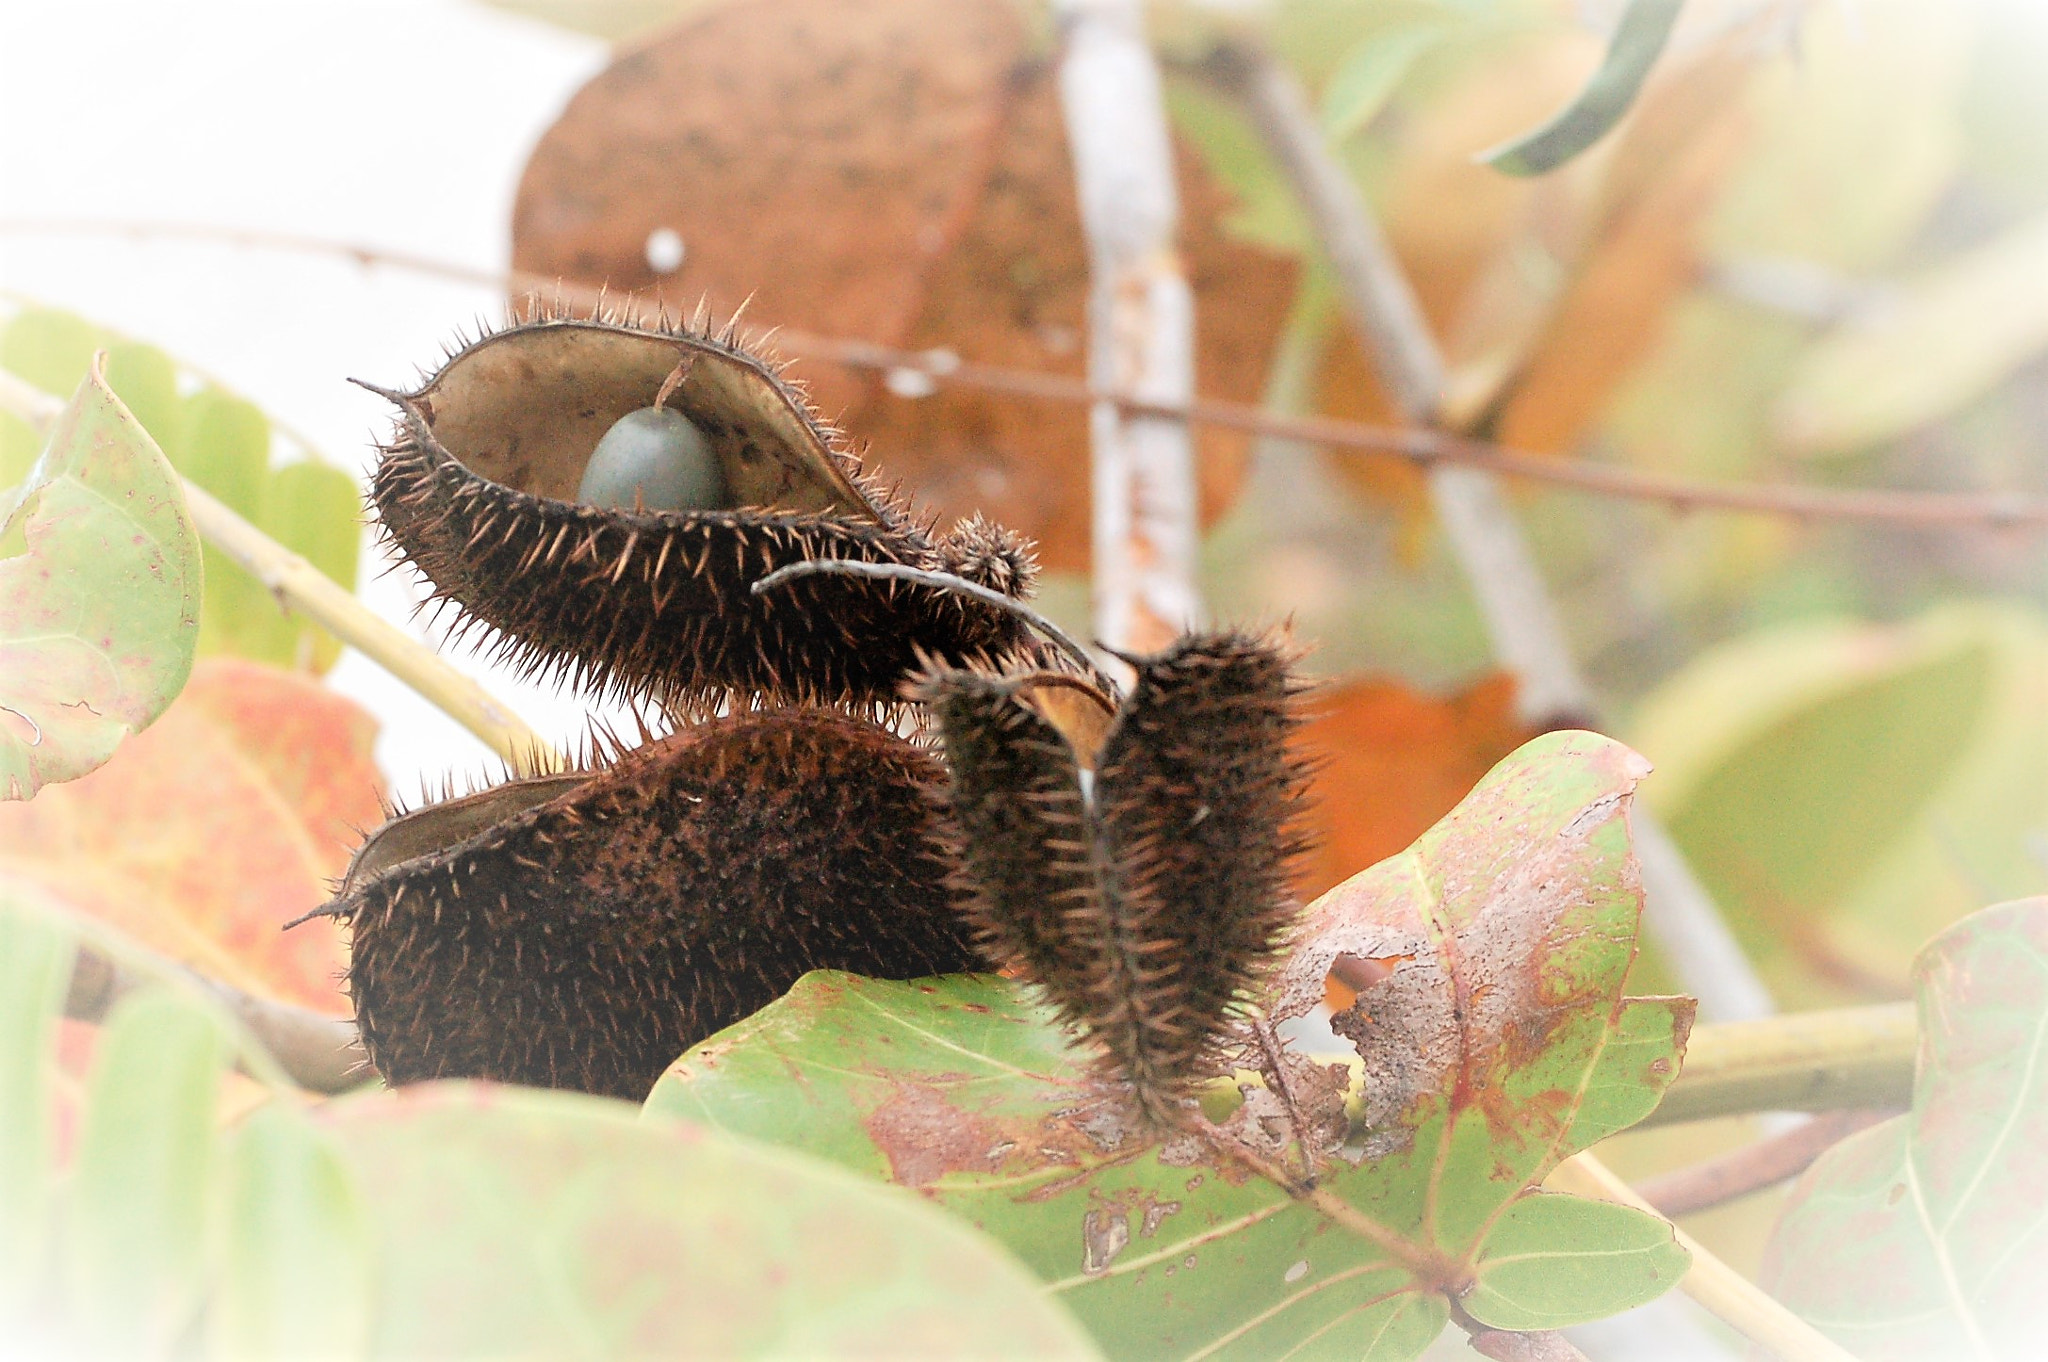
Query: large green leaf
pixel 99 615
pixel 35 967
pixel 135 1218
pixel 1926 1236
pixel 511 1222
pixel 296 1259
pixel 963 1089
pixel 222 443
pixel 1848 790
pixel 1945 339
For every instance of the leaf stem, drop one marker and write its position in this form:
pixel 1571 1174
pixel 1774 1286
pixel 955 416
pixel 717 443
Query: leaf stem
pixel 299 585
pixel 1719 1288
pixel 1755 1166
pixel 1806 1061
pixel 319 1053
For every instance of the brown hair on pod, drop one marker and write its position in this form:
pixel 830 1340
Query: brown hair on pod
pixel 1147 900
pixel 478 491
pixel 582 931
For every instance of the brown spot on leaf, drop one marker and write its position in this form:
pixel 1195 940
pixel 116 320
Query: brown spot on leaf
pixel 926 1137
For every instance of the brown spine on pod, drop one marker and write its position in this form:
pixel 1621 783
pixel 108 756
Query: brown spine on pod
pixel 477 491
pixel 588 940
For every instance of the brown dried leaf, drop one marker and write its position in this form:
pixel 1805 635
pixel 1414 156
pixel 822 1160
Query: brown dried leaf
pixel 891 171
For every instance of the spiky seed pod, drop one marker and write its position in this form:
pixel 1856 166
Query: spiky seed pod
pixel 477 491
pixel 1148 900
pixel 594 928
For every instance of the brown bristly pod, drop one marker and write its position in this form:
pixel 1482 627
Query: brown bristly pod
pixel 479 488
pixel 583 930
pixel 1132 860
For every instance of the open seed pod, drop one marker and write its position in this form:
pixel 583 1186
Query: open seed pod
pixel 582 931
pixel 486 491
pixel 1132 859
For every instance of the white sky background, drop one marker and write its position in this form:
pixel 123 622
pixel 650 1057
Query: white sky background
pixel 399 125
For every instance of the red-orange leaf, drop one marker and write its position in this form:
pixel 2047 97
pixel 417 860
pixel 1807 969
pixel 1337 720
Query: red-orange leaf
pixel 1394 763
pixel 205 832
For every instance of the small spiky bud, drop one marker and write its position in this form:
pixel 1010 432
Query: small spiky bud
pixel 1149 899
pixel 583 933
pixel 989 555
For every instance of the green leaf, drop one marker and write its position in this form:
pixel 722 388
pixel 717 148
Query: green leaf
pixel 1637 43
pixel 20 442
pixel 99 616
pixel 1553 1261
pixel 222 443
pixel 228 450
pixel 1846 791
pixel 1372 71
pixel 35 969
pixel 135 1220
pixel 963 1089
pixel 1924 1236
pixel 296 1270
pixel 1945 339
pixel 512 1222
pixel 50 349
pixel 1266 212
pixel 228 454
pixel 146 381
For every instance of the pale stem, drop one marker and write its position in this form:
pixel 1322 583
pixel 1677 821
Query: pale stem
pixel 1140 326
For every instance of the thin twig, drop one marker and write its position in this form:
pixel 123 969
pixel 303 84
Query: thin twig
pixel 1724 1292
pixel 1141 325
pixel 319 1053
pixel 1805 1061
pixel 1503 1345
pixel 1520 616
pixel 1764 1163
pixel 298 585
pixel 943 581
pixel 2006 512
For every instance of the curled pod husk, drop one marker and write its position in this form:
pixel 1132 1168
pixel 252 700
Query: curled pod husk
pixel 1132 862
pixel 584 931
pixel 478 490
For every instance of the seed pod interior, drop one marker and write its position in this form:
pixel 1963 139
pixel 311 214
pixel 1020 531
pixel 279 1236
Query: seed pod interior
pixel 658 604
pixel 525 408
